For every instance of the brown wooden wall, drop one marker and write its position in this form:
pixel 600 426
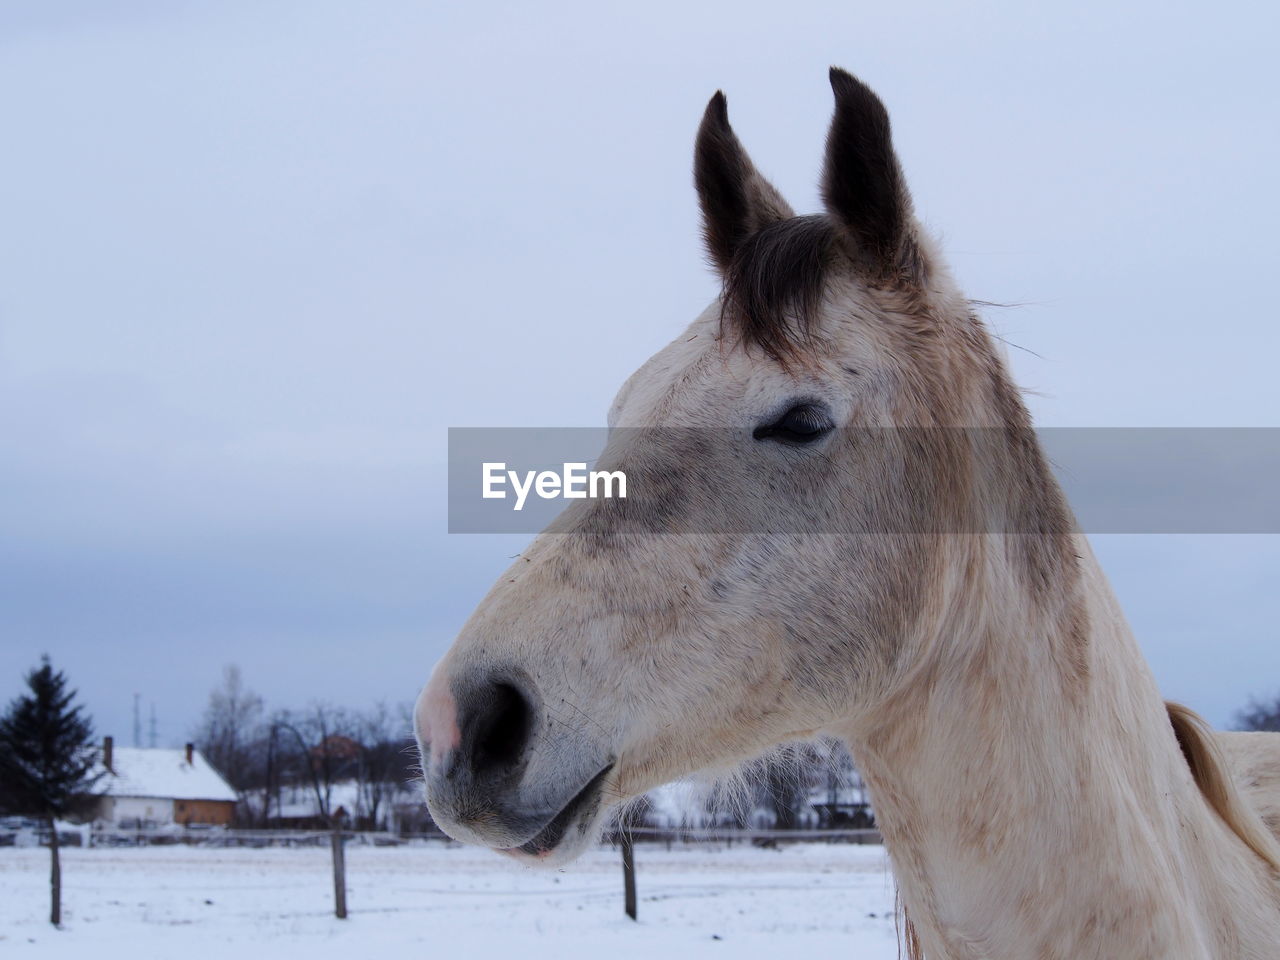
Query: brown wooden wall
pixel 204 811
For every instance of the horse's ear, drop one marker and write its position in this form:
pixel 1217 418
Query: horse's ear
pixel 862 183
pixel 736 201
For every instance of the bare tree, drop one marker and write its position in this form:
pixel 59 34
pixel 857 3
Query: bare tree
pixel 783 790
pixel 787 779
pixel 1261 714
pixel 307 752
pixel 324 748
pixel 384 741
pixel 231 733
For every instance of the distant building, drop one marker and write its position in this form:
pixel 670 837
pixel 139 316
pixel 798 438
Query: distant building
pixel 843 804
pixel 152 787
pixel 354 805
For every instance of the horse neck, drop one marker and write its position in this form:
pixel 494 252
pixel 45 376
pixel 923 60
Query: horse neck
pixel 1031 793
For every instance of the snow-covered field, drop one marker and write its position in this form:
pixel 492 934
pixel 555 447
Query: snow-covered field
pixel 196 903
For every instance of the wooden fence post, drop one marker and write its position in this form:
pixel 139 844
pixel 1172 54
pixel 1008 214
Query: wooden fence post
pixel 339 875
pixel 629 875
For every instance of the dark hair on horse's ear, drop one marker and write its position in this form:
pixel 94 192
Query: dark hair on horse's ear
pixel 736 200
pixel 863 186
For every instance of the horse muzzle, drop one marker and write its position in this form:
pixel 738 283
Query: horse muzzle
pixel 500 772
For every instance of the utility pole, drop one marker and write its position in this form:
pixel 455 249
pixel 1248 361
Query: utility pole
pixel 152 732
pixel 137 719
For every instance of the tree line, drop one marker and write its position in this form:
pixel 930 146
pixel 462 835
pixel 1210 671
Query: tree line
pixel 265 754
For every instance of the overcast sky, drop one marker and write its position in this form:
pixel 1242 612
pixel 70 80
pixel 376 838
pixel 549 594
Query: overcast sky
pixel 256 257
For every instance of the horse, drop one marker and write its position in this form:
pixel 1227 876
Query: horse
pixel 792 579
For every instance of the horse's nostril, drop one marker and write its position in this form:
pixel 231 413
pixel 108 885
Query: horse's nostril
pixel 502 730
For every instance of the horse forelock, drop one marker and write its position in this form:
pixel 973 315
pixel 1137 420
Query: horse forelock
pixel 774 286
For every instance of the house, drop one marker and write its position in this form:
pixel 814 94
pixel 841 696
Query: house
pixel 843 803
pixel 155 787
pixel 354 805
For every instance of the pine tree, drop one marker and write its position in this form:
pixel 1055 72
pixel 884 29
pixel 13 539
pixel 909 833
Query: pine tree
pixel 46 760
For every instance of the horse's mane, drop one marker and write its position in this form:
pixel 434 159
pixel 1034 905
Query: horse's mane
pixel 1209 768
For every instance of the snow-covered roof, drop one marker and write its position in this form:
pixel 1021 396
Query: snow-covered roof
pixel 140 772
pixel 299 800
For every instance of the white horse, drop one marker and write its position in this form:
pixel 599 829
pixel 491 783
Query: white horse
pixel 790 578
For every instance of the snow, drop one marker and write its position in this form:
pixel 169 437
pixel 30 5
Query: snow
pixel 300 800
pixel 199 903
pixel 142 772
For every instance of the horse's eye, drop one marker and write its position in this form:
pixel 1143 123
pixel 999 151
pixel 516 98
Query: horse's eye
pixel 803 423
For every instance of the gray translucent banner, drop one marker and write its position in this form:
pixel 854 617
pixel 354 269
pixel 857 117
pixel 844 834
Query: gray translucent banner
pixel 899 480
